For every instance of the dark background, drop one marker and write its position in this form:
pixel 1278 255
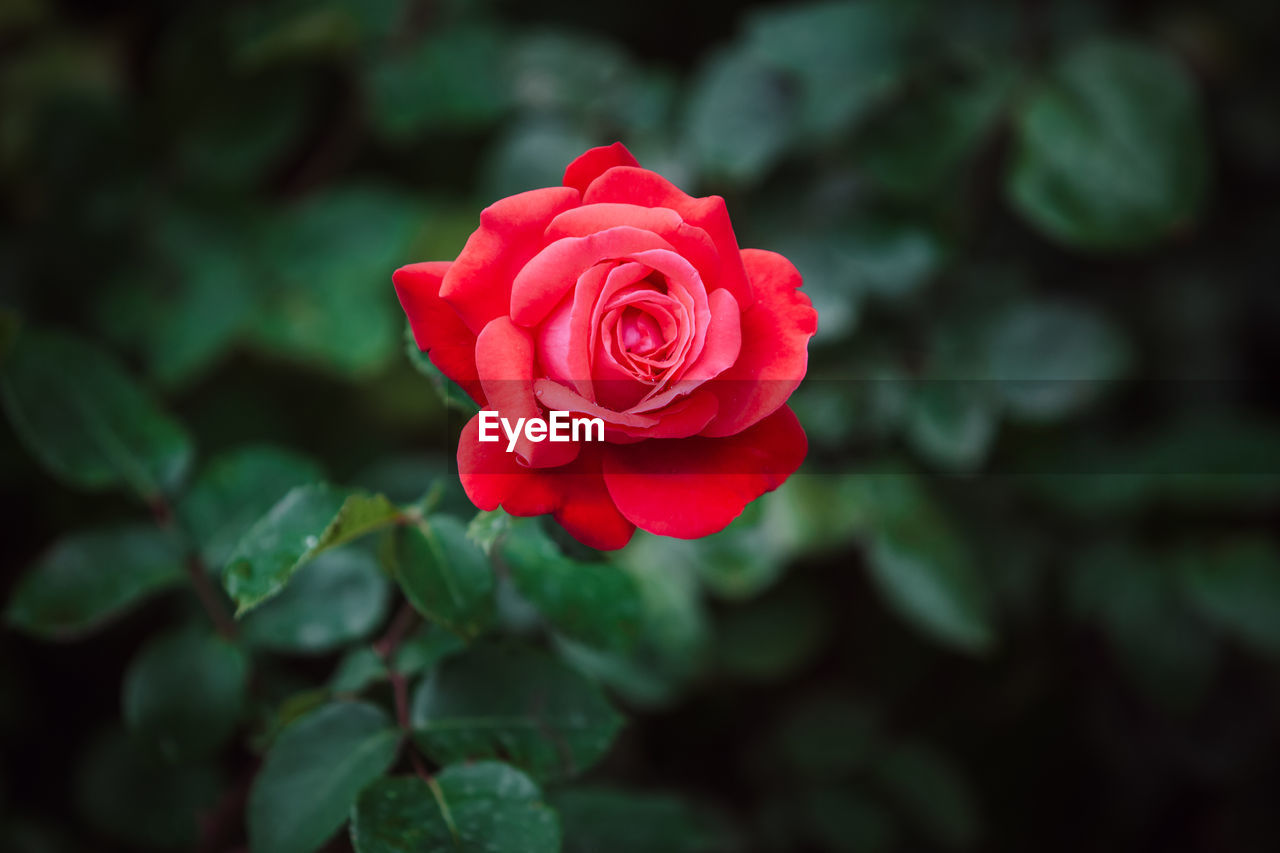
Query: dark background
pixel 986 616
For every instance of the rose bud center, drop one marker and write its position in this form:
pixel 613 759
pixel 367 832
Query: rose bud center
pixel 639 332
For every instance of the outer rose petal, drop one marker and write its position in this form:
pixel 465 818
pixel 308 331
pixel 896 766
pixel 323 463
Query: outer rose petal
pixel 586 510
pixel 575 493
pixel 640 186
pixel 478 285
pixel 775 341
pixel 504 360
pixel 594 162
pixel 436 327
pixel 694 487
pixel 491 477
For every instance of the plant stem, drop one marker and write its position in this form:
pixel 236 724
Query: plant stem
pixel 197 572
pixel 404 620
pixel 209 598
pixel 406 617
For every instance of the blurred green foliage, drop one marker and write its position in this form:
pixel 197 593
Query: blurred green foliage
pixel 1024 595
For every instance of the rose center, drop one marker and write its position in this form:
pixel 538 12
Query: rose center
pixel 639 332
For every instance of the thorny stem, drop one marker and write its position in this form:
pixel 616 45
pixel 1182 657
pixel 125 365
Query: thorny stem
pixel 198 573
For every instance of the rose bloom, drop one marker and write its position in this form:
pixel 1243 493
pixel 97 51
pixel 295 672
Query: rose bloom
pixel 620 297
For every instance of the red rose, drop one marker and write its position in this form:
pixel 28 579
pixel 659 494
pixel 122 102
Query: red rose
pixel 619 297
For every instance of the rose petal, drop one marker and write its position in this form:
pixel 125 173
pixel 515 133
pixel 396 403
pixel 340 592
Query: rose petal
pixel 555 343
pixel 437 329
pixel 555 396
pixel 613 385
pixel 691 243
pixel 549 275
pixel 775 340
pixel 633 185
pixel 574 493
pixel 723 347
pixel 575 360
pixel 682 281
pixel 478 285
pixel 491 477
pixel 504 360
pixel 694 487
pixel 659 310
pixel 681 419
pixel 586 509
pixel 590 164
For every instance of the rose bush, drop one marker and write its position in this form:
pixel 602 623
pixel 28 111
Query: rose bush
pixel 620 297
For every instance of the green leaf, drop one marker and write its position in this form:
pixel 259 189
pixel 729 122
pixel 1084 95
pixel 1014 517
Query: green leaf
pixel 291 703
pixel 486 807
pixel 1133 597
pixel 584 76
pixel 235 490
pixel 1111 150
pixel 889 259
pixel 425 649
pixel 302 524
pixel 845 56
pixel 1203 461
pixel 315 770
pixel 517 703
pixel 419 653
pixel 532 153
pixel 1050 359
pixel 87 421
pixel 620 821
pixel 417 479
pixel 185 693
pixel 739 118
pixel 818 512
pixel 953 423
pixel 776 634
pixel 247 125
pixel 130 794
pixel 674 641
pixel 195 290
pixel 445 575
pixel 358 669
pixel 922 567
pixel 745 558
pixel 449 392
pixel 485 528
pixel 828 736
pixel 459 78
pixel 918 147
pixel 1236 586
pixel 339 597
pixel 90 577
pixel 593 603
pixel 936 797
pixel 330 258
